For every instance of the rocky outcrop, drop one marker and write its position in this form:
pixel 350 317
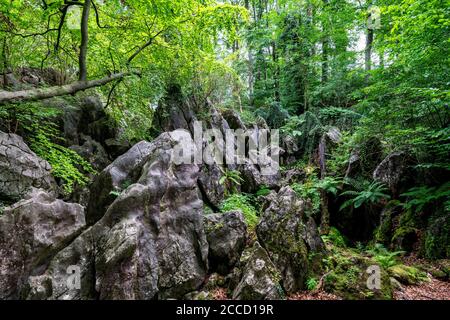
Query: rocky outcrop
pixel 365 158
pixel 226 234
pixel 394 171
pixel 84 115
pixel 173 113
pixel 58 282
pixel 151 241
pixel 328 140
pixel 21 169
pixel 31 232
pixel 233 119
pixel 260 278
pixel 121 173
pixel 93 152
pixel 290 149
pixel 351 276
pixel 289 236
pixel 209 182
pixel 255 176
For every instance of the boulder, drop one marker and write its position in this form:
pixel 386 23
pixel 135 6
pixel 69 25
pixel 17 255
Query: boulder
pixel 290 149
pixel 151 241
pixel 83 115
pixel 122 172
pixel 21 169
pixel 226 234
pixel 210 174
pixel 349 276
pixel 93 152
pixel 365 158
pixel 212 190
pixel 233 119
pixel 292 175
pixel 173 113
pixel 289 235
pixel 255 176
pixel 79 255
pixel 31 232
pixel 260 278
pixel 395 171
pixel 149 244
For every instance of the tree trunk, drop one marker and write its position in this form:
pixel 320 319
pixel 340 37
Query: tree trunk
pixel 84 40
pixel 5 63
pixel 45 93
pixel 325 49
pixel 368 53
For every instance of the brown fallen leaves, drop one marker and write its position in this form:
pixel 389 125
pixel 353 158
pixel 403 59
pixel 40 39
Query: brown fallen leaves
pixel 432 290
pixel 316 295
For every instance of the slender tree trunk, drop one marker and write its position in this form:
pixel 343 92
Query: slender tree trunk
pixel 84 40
pixel 325 49
pixel 4 62
pixel 276 72
pixel 325 213
pixel 368 53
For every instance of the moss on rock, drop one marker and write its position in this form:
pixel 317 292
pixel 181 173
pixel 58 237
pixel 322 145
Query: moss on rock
pixel 407 274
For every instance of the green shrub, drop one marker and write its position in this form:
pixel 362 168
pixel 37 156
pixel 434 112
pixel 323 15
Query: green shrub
pixel 241 202
pixel 311 189
pixel 311 284
pixel 384 257
pixel 263 191
pixel 35 121
pixel 66 164
pixel 407 274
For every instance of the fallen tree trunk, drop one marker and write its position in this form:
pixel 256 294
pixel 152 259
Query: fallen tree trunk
pixel 55 91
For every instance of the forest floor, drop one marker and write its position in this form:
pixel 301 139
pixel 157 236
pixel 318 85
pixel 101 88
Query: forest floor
pixel 431 290
pixel 435 289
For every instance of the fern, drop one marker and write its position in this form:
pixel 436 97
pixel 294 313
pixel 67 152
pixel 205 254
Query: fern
pixel 383 256
pixel 230 180
pixel 365 193
pixel 419 197
pixel 311 284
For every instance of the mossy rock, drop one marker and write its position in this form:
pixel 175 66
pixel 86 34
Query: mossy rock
pixel 199 295
pixel 437 237
pixel 407 274
pixel 404 238
pixel 383 234
pixel 348 277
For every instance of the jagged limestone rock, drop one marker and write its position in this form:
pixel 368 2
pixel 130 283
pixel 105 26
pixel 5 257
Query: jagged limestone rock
pixel 21 169
pixel 289 236
pixel 32 231
pixel 226 234
pixel 260 278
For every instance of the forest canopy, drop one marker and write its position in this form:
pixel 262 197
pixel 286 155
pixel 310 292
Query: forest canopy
pixel 91 91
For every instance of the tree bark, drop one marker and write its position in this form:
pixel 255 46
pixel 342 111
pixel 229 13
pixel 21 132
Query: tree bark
pixel 369 43
pixel 84 40
pixel 325 49
pixel 45 93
